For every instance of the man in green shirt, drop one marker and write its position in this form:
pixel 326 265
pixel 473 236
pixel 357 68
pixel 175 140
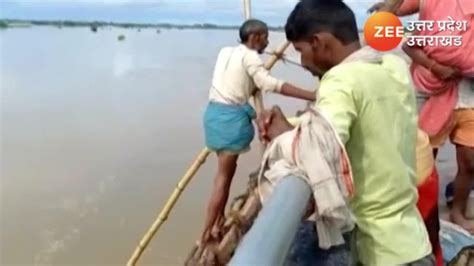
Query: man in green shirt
pixel 368 98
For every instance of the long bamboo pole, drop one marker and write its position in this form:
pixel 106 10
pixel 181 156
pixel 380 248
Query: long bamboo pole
pixel 163 216
pixel 248 211
pixel 247 9
pixel 198 162
pixel 270 63
pixel 258 99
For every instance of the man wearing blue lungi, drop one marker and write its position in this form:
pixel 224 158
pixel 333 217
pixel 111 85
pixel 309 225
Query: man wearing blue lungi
pixel 228 127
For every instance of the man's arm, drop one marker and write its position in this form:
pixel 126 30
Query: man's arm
pixel 386 6
pixel 266 82
pixel 408 7
pixel 295 92
pixel 335 101
pixel 419 56
pixel 398 7
pixel 272 123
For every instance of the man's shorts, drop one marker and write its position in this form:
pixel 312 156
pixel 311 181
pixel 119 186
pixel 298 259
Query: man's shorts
pixel 460 130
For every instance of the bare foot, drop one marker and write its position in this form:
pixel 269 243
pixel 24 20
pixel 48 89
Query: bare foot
pixel 214 233
pixel 216 229
pixel 205 238
pixel 459 219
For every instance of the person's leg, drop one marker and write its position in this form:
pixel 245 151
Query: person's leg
pixel 305 249
pixel 227 164
pixel 463 137
pixel 462 186
pixel 438 140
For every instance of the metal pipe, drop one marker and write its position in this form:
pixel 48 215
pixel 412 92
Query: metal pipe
pixel 269 239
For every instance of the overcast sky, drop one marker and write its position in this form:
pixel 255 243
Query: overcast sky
pixel 228 12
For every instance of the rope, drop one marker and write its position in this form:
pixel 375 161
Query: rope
pixel 283 58
pixel 210 253
pixel 238 220
pixel 235 227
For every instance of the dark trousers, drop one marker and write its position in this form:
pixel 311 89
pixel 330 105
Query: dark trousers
pixel 305 249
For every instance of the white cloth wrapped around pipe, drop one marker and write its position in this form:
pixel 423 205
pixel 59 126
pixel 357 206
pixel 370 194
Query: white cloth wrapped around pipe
pixel 314 152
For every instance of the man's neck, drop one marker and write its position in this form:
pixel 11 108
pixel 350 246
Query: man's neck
pixel 248 46
pixel 347 50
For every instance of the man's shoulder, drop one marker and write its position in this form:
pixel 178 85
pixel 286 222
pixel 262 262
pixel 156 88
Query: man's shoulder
pixel 226 50
pixel 383 62
pixel 225 53
pixel 353 70
pixel 348 73
pixel 240 51
pixel 391 70
pixel 343 76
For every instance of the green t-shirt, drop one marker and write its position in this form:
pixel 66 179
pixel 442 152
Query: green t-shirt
pixel 372 107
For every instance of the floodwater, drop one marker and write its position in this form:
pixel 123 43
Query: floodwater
pixel 95 134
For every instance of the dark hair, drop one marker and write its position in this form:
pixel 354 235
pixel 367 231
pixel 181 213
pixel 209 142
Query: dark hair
pixel 251 26
pixel 313 16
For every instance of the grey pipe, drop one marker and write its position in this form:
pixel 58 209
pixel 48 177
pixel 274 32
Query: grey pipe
pixel 269 239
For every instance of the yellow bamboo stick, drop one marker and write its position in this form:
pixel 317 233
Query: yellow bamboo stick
pixel 258 99
pixel 163 216
pixel 191 172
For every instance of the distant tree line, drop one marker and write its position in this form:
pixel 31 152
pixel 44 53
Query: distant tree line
pixel 98 24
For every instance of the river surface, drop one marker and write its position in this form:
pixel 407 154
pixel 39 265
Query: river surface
pixel 96 132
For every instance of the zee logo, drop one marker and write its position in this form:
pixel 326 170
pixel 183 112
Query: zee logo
pixel 388 31
pixel 383 31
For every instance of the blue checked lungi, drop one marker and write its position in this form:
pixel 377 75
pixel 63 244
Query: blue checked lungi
pixel 229 127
